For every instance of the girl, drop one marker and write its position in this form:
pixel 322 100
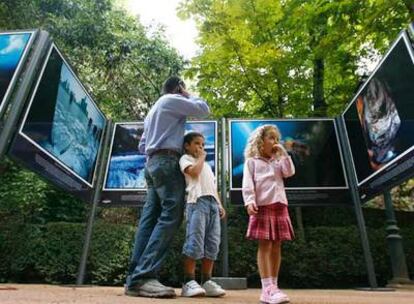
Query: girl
pixel 267 163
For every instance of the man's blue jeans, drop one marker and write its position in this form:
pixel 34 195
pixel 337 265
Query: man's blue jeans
pixel 161 216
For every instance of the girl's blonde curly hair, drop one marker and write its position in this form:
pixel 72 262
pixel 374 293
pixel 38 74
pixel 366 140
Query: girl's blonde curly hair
pixel 255 142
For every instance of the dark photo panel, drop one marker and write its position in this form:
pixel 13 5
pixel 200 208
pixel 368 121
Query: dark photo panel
pixel 312 144
pixel 380 120
pixel 13 47
pixel 125 169
pixel 61 132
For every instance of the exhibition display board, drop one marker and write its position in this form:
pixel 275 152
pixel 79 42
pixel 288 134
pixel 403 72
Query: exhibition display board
pixel 380 122
pixel 313 145
pixel 124 177
pixel 60 134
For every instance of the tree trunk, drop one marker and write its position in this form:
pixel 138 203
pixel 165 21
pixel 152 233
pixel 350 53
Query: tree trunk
pixel 319 104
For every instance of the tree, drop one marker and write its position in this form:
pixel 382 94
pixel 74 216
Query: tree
pixel 282 58
pixel 116 59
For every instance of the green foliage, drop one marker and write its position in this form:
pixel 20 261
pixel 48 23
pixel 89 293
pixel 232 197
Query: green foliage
pixel 120 63
pixel 331 256
pixel 267 58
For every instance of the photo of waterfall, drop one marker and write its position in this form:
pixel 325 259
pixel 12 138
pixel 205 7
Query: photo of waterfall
pixel 125 169
pixel 63 120
pixel 312 144
pixel 12 48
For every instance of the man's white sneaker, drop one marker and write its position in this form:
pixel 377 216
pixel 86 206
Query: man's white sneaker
pixel 213 289
pixel 192 289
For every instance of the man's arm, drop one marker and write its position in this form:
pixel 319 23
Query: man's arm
pixel 191 106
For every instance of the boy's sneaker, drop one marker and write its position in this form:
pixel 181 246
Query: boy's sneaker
pixel 273 295
pixel 192 289
pixel 213 289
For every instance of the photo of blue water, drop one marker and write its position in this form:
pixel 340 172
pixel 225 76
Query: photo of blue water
pixel 63 120
pixel 126 164
pixel 312 144
pixel 12 47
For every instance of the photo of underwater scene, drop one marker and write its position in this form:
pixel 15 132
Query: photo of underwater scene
pixel 12 48
pixel 312 144
pixel 126 164
pixel 208 129
pixel 63 120
pixel 380 119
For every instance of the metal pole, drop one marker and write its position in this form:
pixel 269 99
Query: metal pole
pixel 353 188
pixel 394 240
pixel 96 197
pixel 223 184
pixel 19 99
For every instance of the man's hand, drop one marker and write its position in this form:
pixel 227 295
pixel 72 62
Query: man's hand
pixel 222 212
pixel 252 209
pixel 184 92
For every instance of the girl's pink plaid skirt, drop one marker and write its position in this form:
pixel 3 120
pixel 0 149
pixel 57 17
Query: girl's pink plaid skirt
pixel 272 222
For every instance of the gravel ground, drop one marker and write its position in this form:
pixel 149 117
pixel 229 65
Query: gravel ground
pixel 53 294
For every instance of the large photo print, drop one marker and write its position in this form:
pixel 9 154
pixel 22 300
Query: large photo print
pixel 125 169
pixel 12 48
pixel 63 120
pixel 312 144
pixel 380 119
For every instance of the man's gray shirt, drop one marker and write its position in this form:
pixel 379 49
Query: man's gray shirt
pixel 164 124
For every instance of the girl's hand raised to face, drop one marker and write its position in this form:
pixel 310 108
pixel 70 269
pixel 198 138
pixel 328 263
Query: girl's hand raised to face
pixel 278 148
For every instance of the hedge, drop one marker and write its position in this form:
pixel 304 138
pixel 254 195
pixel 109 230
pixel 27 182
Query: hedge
pixel 331 257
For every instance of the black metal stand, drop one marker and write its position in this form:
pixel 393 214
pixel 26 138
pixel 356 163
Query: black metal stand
pixel 353 188
pixel 223 190
pixel 399 266
pixel 96 198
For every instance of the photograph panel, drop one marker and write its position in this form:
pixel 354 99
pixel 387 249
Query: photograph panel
pixel 126 164
pixel 12 48
pixel 63 120
pixel 380 119
pixel 312 144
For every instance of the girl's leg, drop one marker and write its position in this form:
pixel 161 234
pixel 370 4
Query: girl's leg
pixel 206 270
pixel 264 260
pixel 276 260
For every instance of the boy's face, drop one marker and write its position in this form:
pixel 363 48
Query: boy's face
pixel 195 147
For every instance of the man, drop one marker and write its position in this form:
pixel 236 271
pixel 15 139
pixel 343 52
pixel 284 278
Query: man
pixel 162 142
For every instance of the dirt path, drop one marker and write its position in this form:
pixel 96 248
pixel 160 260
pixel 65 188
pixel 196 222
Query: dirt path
pixel 52 294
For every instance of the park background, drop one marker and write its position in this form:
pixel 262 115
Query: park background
pixel 257 59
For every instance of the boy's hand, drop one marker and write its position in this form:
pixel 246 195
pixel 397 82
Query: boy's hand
pixel 252 209
pixel 222 212
pixel 201 154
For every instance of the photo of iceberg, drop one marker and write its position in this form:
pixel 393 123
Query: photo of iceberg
pixel 63 120
pixel 312 144
pixel 380 119
pixel 12 48
pixel 126 164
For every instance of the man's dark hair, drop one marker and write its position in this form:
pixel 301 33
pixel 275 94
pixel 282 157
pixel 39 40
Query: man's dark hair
pixel 188 138
pixel 172 84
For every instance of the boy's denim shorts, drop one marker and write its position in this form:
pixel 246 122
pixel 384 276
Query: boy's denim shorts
pixel 202 238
